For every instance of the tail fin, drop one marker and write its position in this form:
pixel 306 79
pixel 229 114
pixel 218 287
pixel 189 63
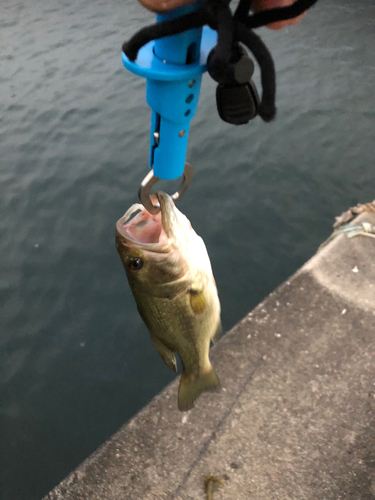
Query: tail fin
pixel 191 387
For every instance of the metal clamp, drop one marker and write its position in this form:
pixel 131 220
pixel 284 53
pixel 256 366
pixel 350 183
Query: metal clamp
pixel 150 180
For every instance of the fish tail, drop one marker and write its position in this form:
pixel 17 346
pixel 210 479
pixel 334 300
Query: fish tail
pixel 191 386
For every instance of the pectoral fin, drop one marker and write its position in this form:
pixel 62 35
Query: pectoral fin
pixel 197 302
pixel 168 356
pixel 192 386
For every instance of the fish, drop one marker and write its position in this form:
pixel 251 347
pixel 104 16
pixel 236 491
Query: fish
pixel 170 276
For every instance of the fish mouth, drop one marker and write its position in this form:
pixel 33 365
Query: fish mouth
pixel 139 228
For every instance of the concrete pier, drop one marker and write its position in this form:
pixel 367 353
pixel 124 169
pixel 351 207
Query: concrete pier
pixel 296 415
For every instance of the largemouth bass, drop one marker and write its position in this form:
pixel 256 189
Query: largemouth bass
pixel 170 275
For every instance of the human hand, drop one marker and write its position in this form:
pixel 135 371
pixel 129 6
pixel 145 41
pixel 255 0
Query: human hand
pixel 162 6
pixel 259 5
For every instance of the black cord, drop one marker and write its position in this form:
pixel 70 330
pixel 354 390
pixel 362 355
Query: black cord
pixel 231 30
pixel 219 18
pixel 278 14
pixel 267 108
pixel 199 18
pixel 160 30
pixel 242 9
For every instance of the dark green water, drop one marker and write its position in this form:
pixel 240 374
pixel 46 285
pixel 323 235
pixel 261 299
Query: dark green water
pixel 75 358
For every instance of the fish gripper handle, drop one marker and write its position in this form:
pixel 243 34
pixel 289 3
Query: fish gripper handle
pixel 173 67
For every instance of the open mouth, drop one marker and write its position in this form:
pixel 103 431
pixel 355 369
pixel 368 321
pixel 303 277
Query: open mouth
pixel 141 227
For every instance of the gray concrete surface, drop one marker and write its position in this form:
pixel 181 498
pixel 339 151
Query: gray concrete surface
pixel 296 415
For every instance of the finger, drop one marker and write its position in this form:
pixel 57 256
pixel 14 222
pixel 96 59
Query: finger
pixel 259 5
pixel 162 6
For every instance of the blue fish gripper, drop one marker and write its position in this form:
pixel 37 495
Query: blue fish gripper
pixel 173 67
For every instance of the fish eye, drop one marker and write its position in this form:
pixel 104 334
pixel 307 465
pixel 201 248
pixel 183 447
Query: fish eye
pixel 135 263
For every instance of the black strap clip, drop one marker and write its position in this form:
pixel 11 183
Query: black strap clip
pixel 237 98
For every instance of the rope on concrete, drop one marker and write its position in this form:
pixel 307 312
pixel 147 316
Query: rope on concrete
pixel 343 224
pixel 349 215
